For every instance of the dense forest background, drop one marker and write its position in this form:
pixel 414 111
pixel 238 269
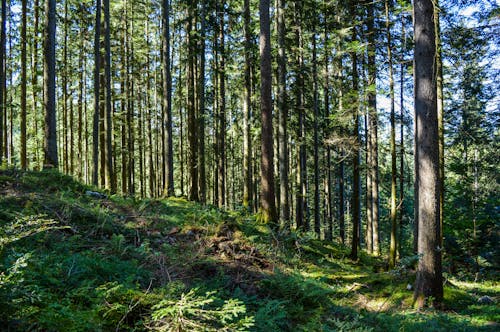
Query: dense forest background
pixel 155 99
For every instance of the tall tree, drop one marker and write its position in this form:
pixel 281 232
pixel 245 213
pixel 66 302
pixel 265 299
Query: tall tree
pixel 107 73
pixel 373 129
pixel 429 283
pixel 97 69
pixel 221 115
pixel 317 211
pixel 50 142
pixel 393 243
pixel 283 117
pixel 167 146
pixel 2 75
pixel 191 107
pixel 301 190
pixel 356 202
pixel 268 205
pixel 247 109
pixel 24 163
pixel 201 102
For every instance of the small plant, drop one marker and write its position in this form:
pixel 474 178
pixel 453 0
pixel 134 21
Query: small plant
pixel 194 312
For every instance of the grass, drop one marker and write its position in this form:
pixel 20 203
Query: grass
pixel 70 262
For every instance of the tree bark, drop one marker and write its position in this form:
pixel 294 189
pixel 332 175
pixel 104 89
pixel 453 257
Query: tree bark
pixel 24 163
pixel 356 206
pixel 317 210
pixel 283 118
pixel 167 150
pixel 373 116
pixel 301 191
pixel 221 159
pixel 107 73
pixel 268 205
pixel 192 132
pixel 2 77
pixel 247 109
pixel 202 178
pixel 429 281
pixel 97 88
pixel 50 143
pixel 394 237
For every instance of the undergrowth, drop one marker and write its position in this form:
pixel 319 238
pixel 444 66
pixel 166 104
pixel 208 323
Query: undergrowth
pixel 73 262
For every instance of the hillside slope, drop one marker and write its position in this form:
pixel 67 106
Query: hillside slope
pixel 72 259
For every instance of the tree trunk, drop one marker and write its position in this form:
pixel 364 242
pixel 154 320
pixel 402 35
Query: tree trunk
pixel 201 113
pixel 97 88
pixel 24 163
pixel 429 283
pixel 393 244
pixel 301 191
pixel 221 159
pixel 372 106
pixel 317 211
pixel 247 109
pixel 356 206
pixel 283 118
pixel 50 143
pixel 192 132
pixel 2 77
pixel 109 125
pixel 268 207
pixel 167 151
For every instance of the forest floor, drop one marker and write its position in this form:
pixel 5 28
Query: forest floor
pixel 72 260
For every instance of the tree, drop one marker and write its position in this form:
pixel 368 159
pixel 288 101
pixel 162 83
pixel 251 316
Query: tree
pixel 50 142
pixel 393 243
pixel 356 203
pixel 2 75
pixel 283 117
pixel 268 206
pixel 373 188
pixel 429 283
pixel 107 73
pixel 24 163
pixel 167 147
pixel 191 107
pixel 97 69
pixel 247 109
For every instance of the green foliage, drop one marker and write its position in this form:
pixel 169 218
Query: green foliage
pixel 131 265
pixel 194 312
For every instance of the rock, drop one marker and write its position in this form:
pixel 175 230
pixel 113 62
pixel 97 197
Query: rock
pixel 485 300
pixel 95 194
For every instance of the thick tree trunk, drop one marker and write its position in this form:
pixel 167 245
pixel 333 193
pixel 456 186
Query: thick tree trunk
pixel 268 207
pixel 50 143
pixel 429 283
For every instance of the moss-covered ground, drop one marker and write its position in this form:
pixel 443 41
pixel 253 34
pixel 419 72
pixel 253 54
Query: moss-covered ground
pixel 70 261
